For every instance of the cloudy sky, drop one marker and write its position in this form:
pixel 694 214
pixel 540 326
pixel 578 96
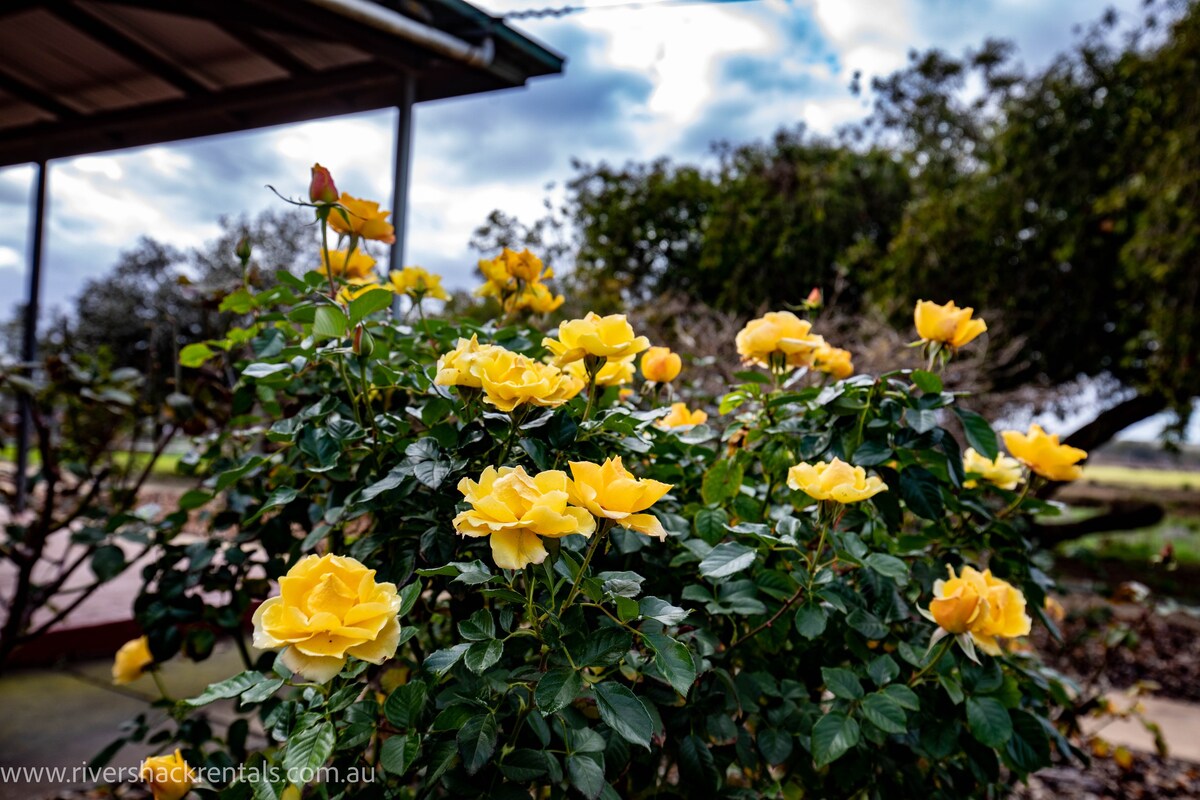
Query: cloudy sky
pixel 639 83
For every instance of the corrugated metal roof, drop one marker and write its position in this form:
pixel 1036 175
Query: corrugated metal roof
pixel 80 76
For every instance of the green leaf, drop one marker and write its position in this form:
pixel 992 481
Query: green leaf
pixel 775 745
pixel 483 655
pixel 399 752
pixel 230 687
pixel 927 382
pixel 404 705
pixel 921 420
pixel 586 775
pixel 108 562
pixel 832 736
pixel 557 689
pixel 888 566
pixel 261 691
pixel 919 489
pixel 261 369
pixel 368 303
pixel 659 609
pixel 903 695
pixel 441 661
pixel 329 322
pixel 307 750
pixel 810 621
pixel 710 524
pixel 1029 748
pixel 239 302
pixel 872 453
pixel 867 624
pixel 673 660
pixel 979 433
pixel 605 647
pixel 727 558
pixel 988 721
pixel 525 765
pixel 697 765
pixel 842 682
pixel 622 711
pixel 408 598
pixel 883 669
pixel 195 354
pixel 884 713
pixel 721 482
pixel 478 627
pixel 477 741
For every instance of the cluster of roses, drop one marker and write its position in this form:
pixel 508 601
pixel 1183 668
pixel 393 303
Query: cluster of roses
pixel 356 220
pixel 517 281
pixel 781 342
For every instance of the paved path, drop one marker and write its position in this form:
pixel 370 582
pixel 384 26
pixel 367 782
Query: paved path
pixel 63 716
pixel 1178 721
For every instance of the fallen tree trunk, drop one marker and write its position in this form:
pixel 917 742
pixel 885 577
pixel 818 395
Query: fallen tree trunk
pixel 1129 515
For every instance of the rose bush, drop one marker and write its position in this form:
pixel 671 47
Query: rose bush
pixel 812 592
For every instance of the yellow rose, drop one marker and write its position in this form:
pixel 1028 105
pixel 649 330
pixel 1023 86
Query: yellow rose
pixel 833 360
pixel 417 283
pixel 497 280
pixel 609 337
pixel 778 340
pixel 132 660
pixel 360 266
pixel 538 298
pixel 680 416
pixel 660 365
pixel 524 266
pixel 1042 453
pixel 1004 471
pixel 362 218
pixel 454 368
pixel 608 490
pixel 958 602
pixel 613 373
pixel 509 379
pixel 981 604
pixel 169 776
pixel 352 291
pixel 837 481
pixel 329 608
pixel 515 510
pixel 947 324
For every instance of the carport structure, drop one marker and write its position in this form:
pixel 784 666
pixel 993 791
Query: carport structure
pixel 86 76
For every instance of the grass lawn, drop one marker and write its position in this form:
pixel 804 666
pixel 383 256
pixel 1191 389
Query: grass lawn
pixel 166 466
pixel 1183 533
pixel 1142 477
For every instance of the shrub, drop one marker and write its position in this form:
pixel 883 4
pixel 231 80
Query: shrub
pixel 790 603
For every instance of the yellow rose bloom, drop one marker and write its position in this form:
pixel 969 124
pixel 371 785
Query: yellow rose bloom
pixel 417 283
pixel 1004 471
pixel 497 280
pixel 515 510
pixel 981 604
pixel 837 481
pixel 328 609
pixel 454 368
pixel 524 266
pixel 834 361
pixel 352 291
pixel 1042 453
pixel 680 416
pixel 660 365
pixel 360 266
pixel 613 373
pixel 958 602
pixel 509 379
pixel 169 776
pixel 609 490
pixel 132 660
pixel 778 339
pixel 362 218
pixel 947 324
pixel 609 337
pixel 538 298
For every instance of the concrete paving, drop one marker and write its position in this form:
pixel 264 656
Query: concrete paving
pixel 1178 721
pixel 64 716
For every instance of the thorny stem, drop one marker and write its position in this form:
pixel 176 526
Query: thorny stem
pixel 941 652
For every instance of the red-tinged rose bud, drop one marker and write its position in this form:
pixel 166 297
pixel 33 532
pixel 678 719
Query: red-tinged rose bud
pixel 363 343
pixel 814 298
pixel 322 189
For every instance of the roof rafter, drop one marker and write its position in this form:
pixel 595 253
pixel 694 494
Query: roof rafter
pixel 35 97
